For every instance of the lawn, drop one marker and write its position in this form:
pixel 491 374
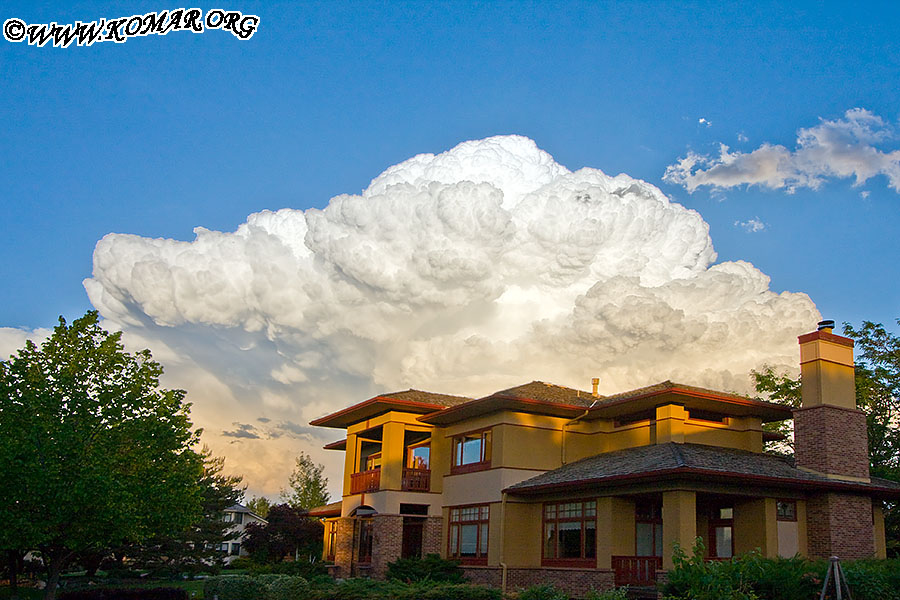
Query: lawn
pixel 194 588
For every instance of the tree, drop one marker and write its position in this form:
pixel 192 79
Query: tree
pixel 260 505
pixel 877 379
pixel 94 454
pixel 308 487
pixel 196 548
pixel 288 532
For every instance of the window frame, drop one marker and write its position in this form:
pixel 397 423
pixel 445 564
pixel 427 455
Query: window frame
pixel 486 451
pixel 652 517
pixel 484 518
pixel 717 521
pixel 778 516
pixel 581 561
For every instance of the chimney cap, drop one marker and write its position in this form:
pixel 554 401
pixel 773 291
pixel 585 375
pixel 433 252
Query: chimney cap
pixel 827 324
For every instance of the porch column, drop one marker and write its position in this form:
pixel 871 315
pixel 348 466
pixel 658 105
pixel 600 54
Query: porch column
pixel 679 517
pixel 756 527
pixel 392 455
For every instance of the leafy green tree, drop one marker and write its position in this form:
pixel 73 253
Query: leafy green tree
pixel 877 378
pixel 260 505
pixel 288 533
pixel 94 454
pixel 308 486
pixel 195 549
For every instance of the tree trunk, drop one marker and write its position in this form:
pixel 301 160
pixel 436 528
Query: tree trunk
pixel 55 566
pixel 13 558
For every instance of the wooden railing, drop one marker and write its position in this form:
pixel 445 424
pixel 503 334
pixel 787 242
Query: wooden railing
pixel 365 481
pixel 636 570
pixel 416 480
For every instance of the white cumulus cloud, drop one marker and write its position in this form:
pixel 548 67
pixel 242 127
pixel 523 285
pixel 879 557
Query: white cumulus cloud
pixel 842 148
pixel 483 267
pixel 752 225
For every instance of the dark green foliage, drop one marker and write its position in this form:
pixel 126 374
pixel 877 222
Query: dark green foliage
pixel 286 587
pixel 695 578
pixel 544 591
pixel 288 533
pixel 234 587
pixel 240 563
pixel 620 593
pixel 462 591
pixel 873 579
pixel 369 589
pixel 126 594
pixel 299 568
pixel 432 568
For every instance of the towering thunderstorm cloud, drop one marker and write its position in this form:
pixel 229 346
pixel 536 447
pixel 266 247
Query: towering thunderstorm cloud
pixel 465 272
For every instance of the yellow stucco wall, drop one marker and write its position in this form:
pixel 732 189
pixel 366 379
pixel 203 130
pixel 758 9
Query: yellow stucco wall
pixel 522 546
pixel 755 526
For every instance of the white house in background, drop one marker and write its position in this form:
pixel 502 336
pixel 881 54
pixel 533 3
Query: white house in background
pixel 239 516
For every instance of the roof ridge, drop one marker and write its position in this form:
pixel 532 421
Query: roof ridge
pixel 678 454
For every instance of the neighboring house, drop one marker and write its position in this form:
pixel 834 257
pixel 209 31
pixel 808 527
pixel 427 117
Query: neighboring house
pixel 240 516
pixel 546 484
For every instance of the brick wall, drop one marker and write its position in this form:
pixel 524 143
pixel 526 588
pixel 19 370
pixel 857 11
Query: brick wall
pixel 831 440
pixel 387 542
pixel 431 536
pixel 343 547
pixel 577 582
pixel 839 524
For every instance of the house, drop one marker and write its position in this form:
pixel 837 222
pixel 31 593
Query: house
pixel 542 483
pixel 240 516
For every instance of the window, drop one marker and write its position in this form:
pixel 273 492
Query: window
pixel 469 533
pixel 366 534
pixel 648 528
pixel 705 415
pixel 235 549
pixel 417 457
pixel 238 518
pixel 223 547
pixel 721 528
pixel 570 533
pixel 330 539
pixel 373 461
pixel 786 510
pixel 472 451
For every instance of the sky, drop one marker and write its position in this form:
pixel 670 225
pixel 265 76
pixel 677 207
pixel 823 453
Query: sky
pixel 760 173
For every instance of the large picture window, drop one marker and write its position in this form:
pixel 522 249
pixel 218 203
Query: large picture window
pixel 469 533
pixel 570 533
pixel 472 451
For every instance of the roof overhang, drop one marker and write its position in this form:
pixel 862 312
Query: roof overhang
pixel 709 475
pixel 370 408
pixel 338 445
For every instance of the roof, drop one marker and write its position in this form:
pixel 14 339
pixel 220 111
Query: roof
pixel 415 401
pixel 240 508
pixel 536 397
pixel 328 510
pixel 560 401
pixel 695 461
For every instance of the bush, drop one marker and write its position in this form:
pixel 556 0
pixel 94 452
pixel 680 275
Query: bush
pixel 461 591
pixel 431 568
pixel 287 587
pixel 544 591
pixel 696 578
pixel 298 568
pixel 614 594
pixel 241 562
pixel 234 587
pixel 126 594
pixel 873 579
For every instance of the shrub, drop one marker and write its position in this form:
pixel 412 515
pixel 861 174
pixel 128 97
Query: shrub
pixel 162 593
pixel 695 578
pixel 297 568
pixel 241 562
pixel 544 591
pixel 873 579
pixel 614 594
pixel 287 587
pixel 432 568
pixel 461 591
pixel 234 587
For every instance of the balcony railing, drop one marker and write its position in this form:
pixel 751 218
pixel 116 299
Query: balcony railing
pixel 636 570
pixel 365 481
pixel 416 480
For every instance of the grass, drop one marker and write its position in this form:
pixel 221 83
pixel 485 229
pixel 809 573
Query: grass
pixel 193 587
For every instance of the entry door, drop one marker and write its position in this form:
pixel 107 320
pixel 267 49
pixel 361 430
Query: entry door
pixel 413 528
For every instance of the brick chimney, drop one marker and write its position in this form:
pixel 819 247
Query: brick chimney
pixel 830 439
pixel 829 431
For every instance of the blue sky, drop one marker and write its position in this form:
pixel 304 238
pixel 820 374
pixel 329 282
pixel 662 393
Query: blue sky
pixel 162 134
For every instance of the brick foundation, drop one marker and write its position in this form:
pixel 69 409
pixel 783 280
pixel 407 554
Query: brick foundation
pixel 839 525
pixel 387 543
pixel 832 440
pixel 431 536
pixel 577 582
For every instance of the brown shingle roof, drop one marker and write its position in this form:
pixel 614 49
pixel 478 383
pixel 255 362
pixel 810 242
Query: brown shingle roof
pixel 549 392
pixel 425 397
pixel 415 401
pixel 685 460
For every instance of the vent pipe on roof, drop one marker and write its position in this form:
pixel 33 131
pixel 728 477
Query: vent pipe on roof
pixel 595 383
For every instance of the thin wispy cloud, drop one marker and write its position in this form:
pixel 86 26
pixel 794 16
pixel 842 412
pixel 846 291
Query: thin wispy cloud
pixel 703 121
pixel 753 225
pixel 849 147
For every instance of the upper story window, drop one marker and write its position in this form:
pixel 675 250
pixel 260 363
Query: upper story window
pixel 570 532
pixel 706 415
pixel 419 456
pixel 234 517
pixel 472 451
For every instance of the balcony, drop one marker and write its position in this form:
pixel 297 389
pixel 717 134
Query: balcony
pixel 416 480
pixel 365 481
pixel 636 570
